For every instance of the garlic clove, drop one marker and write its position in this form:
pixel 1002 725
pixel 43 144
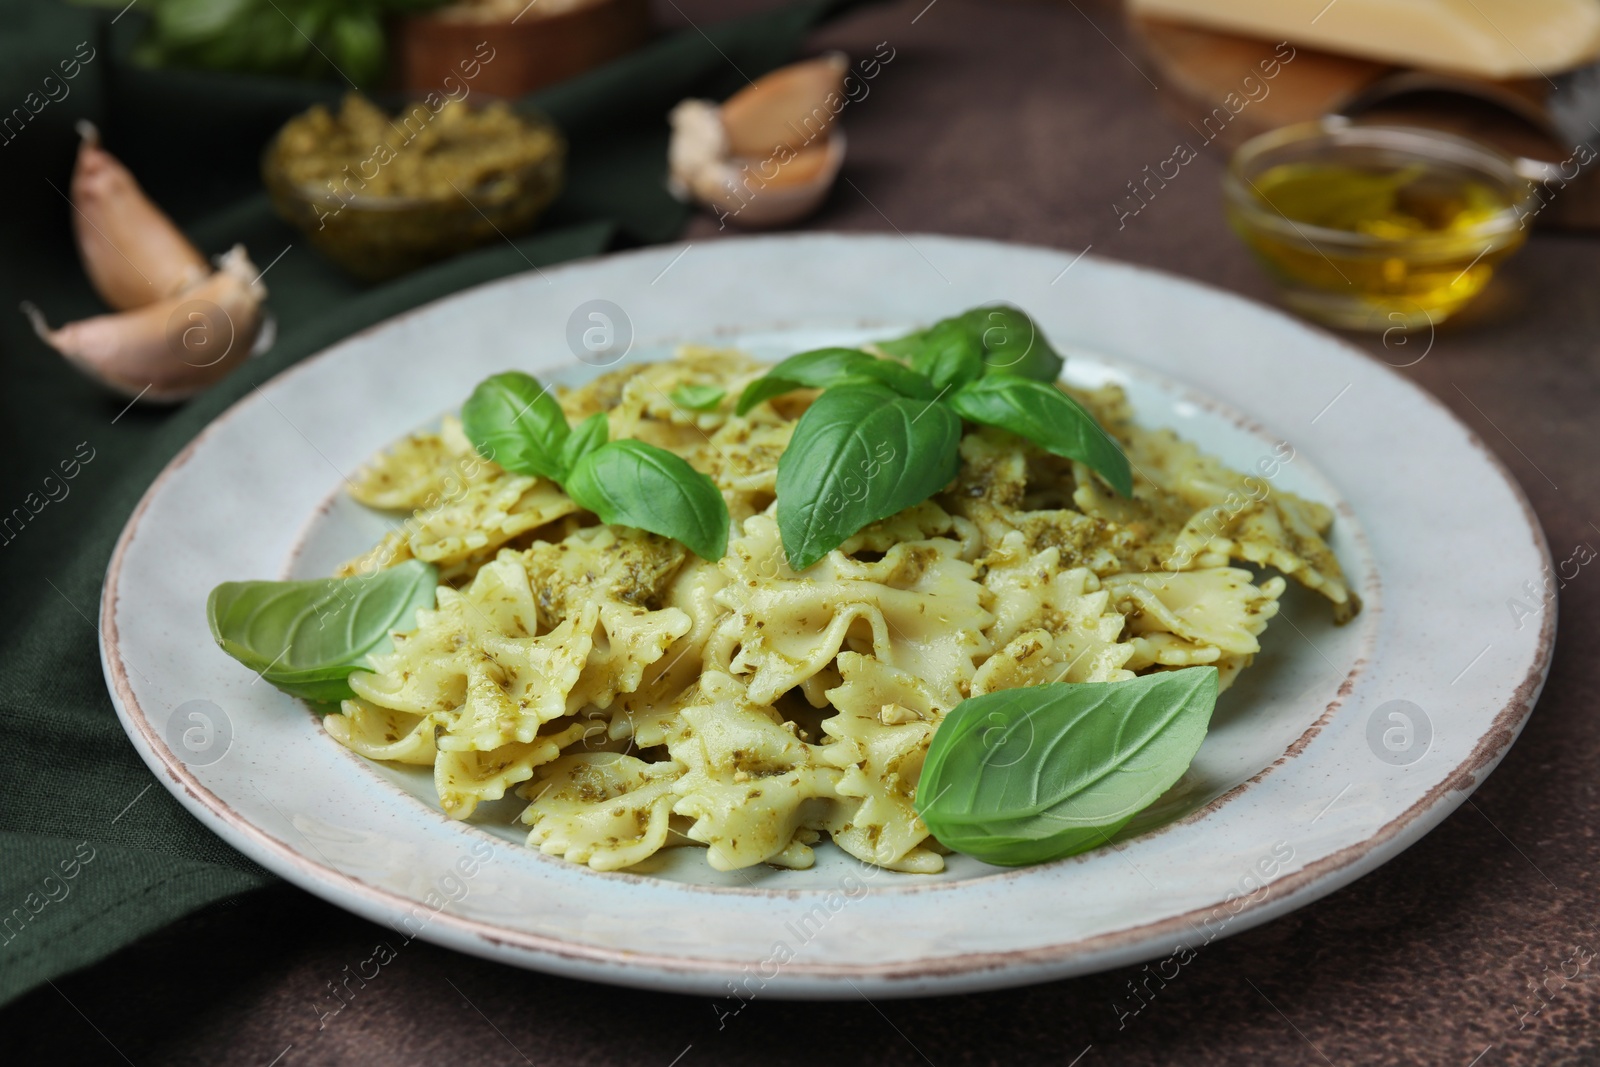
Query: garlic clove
pixel 790 107
pixel 809 164
pixel 132 251
pixel 171 349
pixel 759 194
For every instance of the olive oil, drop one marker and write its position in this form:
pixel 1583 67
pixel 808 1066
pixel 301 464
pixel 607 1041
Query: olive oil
pixel 1371 247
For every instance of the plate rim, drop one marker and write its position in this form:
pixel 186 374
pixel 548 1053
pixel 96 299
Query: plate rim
pixel 1000 967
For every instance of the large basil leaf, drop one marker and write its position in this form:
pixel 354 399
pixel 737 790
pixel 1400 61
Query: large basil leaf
pixel 825 367
pixel 1013 344
pixel 1029 775
pixel 631 483
pixel 1049 418
pixel 860 453
pixel 513 420
pixel 307 637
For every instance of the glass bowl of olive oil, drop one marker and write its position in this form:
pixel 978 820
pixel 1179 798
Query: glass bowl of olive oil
pixel 1370 227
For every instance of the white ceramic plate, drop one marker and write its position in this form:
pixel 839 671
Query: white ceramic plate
pixel 1342 745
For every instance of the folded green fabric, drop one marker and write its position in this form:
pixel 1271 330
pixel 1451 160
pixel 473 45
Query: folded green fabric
pixel 93 852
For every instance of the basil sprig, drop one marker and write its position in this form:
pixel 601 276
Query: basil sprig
pixel 514 421
pixel 1034 774
pixel 307 637
pixel 884 436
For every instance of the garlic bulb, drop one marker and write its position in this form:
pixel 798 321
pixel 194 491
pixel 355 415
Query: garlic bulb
pixel 170 349
pixel 769 155
pixel 131 250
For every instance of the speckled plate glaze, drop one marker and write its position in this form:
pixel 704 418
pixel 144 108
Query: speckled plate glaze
pixel 1339 748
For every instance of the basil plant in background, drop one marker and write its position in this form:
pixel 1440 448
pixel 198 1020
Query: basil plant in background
pixel 886 435
pixel 310 39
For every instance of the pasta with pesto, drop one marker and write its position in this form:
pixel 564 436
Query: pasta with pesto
pixel 637 697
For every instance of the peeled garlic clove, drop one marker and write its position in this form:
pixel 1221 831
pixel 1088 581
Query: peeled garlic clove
pixel 133 253
pixel 789 107
pixel 173 348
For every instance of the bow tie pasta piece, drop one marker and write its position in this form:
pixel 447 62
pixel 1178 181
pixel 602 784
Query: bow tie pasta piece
pixel 917 523
pixel 647 714
pixel 1286 534
pixel 614 573
pixel 1220 607
pixel 418 470
pixel 517 684
pixel 918 608
pixel 880 738
pixel 1052 624
pixel 638 400
pixel 742 459
pixel 1240 516
pixel 629 640
pixel 426 673
pixel 475 664
pixel 383 733
pixel 993 492
pixel 463 530
pixel 601 564
pixel 751 786
pixel 466 779
pixel 601 808
pixel 535 637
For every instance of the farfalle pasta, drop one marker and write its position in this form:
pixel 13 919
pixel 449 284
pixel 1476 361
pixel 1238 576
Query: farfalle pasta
pixel 636 697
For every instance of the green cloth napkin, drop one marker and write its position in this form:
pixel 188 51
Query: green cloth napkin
pixel 94 852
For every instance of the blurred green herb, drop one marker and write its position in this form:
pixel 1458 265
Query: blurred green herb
pixel 341 40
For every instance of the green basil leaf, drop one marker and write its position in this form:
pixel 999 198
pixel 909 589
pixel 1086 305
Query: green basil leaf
pixel 698 397
pixel 1012 344
pixel 859 454
pixel 307 637
pixel 823 368
pixel 994 339
pixel 631 483
pixel 514 421
pixel 589 435
pixel 1029 775
pixel 1049 418
pixel 949 353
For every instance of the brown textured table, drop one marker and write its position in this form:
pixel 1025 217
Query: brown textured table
pixel 1024 121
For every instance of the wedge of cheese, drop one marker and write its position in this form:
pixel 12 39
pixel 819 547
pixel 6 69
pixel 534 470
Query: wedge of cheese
pixel 1484 38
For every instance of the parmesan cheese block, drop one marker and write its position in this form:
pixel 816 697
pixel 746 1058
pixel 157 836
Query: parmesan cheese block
pixel 1485 38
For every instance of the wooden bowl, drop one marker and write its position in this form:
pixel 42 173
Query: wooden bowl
pixel 434 51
